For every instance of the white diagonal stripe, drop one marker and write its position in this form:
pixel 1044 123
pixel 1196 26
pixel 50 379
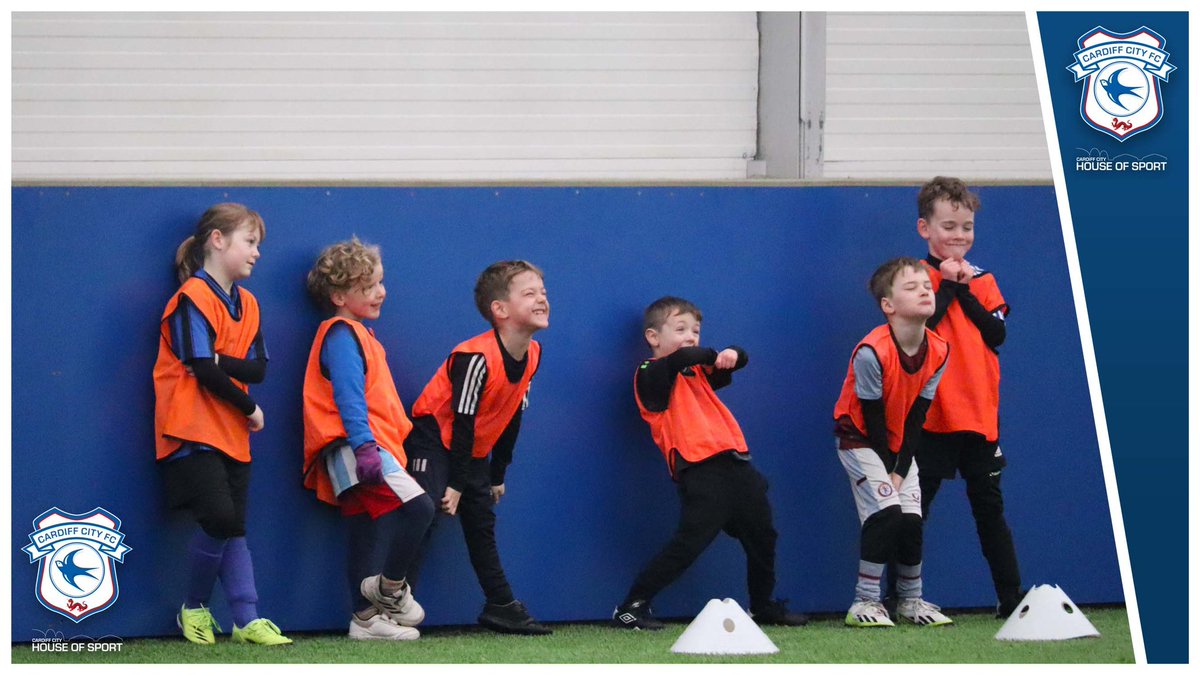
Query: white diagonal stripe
pixel 470 395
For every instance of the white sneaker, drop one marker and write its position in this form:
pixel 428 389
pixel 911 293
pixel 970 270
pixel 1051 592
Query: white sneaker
pixel 402 608
pixel 868 614
pixel 380 627
pixel 922 613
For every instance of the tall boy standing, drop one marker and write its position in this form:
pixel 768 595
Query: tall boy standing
pixel 962 430
pixel 890 384
pixel 472 409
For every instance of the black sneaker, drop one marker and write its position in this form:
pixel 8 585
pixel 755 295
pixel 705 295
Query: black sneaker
pixel 635 615
pixel 776 613
pixel 511 618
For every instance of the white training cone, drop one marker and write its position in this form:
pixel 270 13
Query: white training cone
pixel 1046 613
pixel 722 627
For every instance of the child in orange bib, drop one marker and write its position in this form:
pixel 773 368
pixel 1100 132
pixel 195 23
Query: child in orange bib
pixel 354 431
pixel 708 457
pixel 466 420
pixel 210 349
pixel 962 432
pixel 890 384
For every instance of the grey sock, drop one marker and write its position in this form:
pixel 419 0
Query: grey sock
pixel 908 581
pixel 869 574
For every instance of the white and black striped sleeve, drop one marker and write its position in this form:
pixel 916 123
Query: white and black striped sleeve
pixel 468 375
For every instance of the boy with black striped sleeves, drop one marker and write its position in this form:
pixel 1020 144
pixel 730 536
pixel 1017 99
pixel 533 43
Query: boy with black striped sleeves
pixel 470 410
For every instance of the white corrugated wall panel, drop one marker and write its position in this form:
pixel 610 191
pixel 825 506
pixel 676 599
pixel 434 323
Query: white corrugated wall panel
pixel 914 95
pixel 383 96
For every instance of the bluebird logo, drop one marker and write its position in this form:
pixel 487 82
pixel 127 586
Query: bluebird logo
pixel 75 554
pixel 1121 74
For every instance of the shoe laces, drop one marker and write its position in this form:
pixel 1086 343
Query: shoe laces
pixel 201 618
pixel 922 605
pixel 258 626
pixel 873 607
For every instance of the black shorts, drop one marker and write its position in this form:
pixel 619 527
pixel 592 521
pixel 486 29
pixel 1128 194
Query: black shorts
pixel 213 487
pixel 965 453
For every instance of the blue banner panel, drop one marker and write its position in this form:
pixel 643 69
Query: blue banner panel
pixel 781 272
pixel 1119 87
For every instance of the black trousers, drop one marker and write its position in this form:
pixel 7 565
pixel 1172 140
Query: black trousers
pixel 977 461
pixel 429 464
pixel 387 544
pixel 722 494
pixel 213 487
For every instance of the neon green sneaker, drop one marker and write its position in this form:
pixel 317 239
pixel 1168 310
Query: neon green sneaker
pixel 197 625
pixel 260 632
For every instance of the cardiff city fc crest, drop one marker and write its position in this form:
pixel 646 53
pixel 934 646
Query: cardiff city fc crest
pixel 1121 94
pixel 77 576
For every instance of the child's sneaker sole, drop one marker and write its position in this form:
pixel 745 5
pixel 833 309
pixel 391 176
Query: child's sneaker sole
pixel 260 632
pixel 854 622
pixel 385 630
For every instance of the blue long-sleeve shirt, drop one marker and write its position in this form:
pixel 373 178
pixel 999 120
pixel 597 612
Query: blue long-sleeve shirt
pixel 341 357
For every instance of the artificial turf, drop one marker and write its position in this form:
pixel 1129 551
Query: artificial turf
pixel 825 640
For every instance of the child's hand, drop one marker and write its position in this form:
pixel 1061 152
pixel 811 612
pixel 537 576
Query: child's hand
pixel 497 493
pixel 955 270
pixel 897 479
pixel 968 272
pixel 950 269
pixel 726 359
pixel 450 501
pixel 255 419
pixel 367 464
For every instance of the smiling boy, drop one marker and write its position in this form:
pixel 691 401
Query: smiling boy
pixel 471 410
pixel 709 460
pixel 962 432
pixel 354 431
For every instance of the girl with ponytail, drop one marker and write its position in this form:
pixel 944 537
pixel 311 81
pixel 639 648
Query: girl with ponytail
pixel 210 349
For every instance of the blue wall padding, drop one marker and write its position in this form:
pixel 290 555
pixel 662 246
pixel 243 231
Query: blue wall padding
pixel 780 271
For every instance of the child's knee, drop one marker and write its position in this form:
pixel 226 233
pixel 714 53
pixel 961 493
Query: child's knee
pixel 985 497
pixel 477 517
pixel 222 524
pixel 910 539
pixel 420 509
pixel 879 534
pixel 761 533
